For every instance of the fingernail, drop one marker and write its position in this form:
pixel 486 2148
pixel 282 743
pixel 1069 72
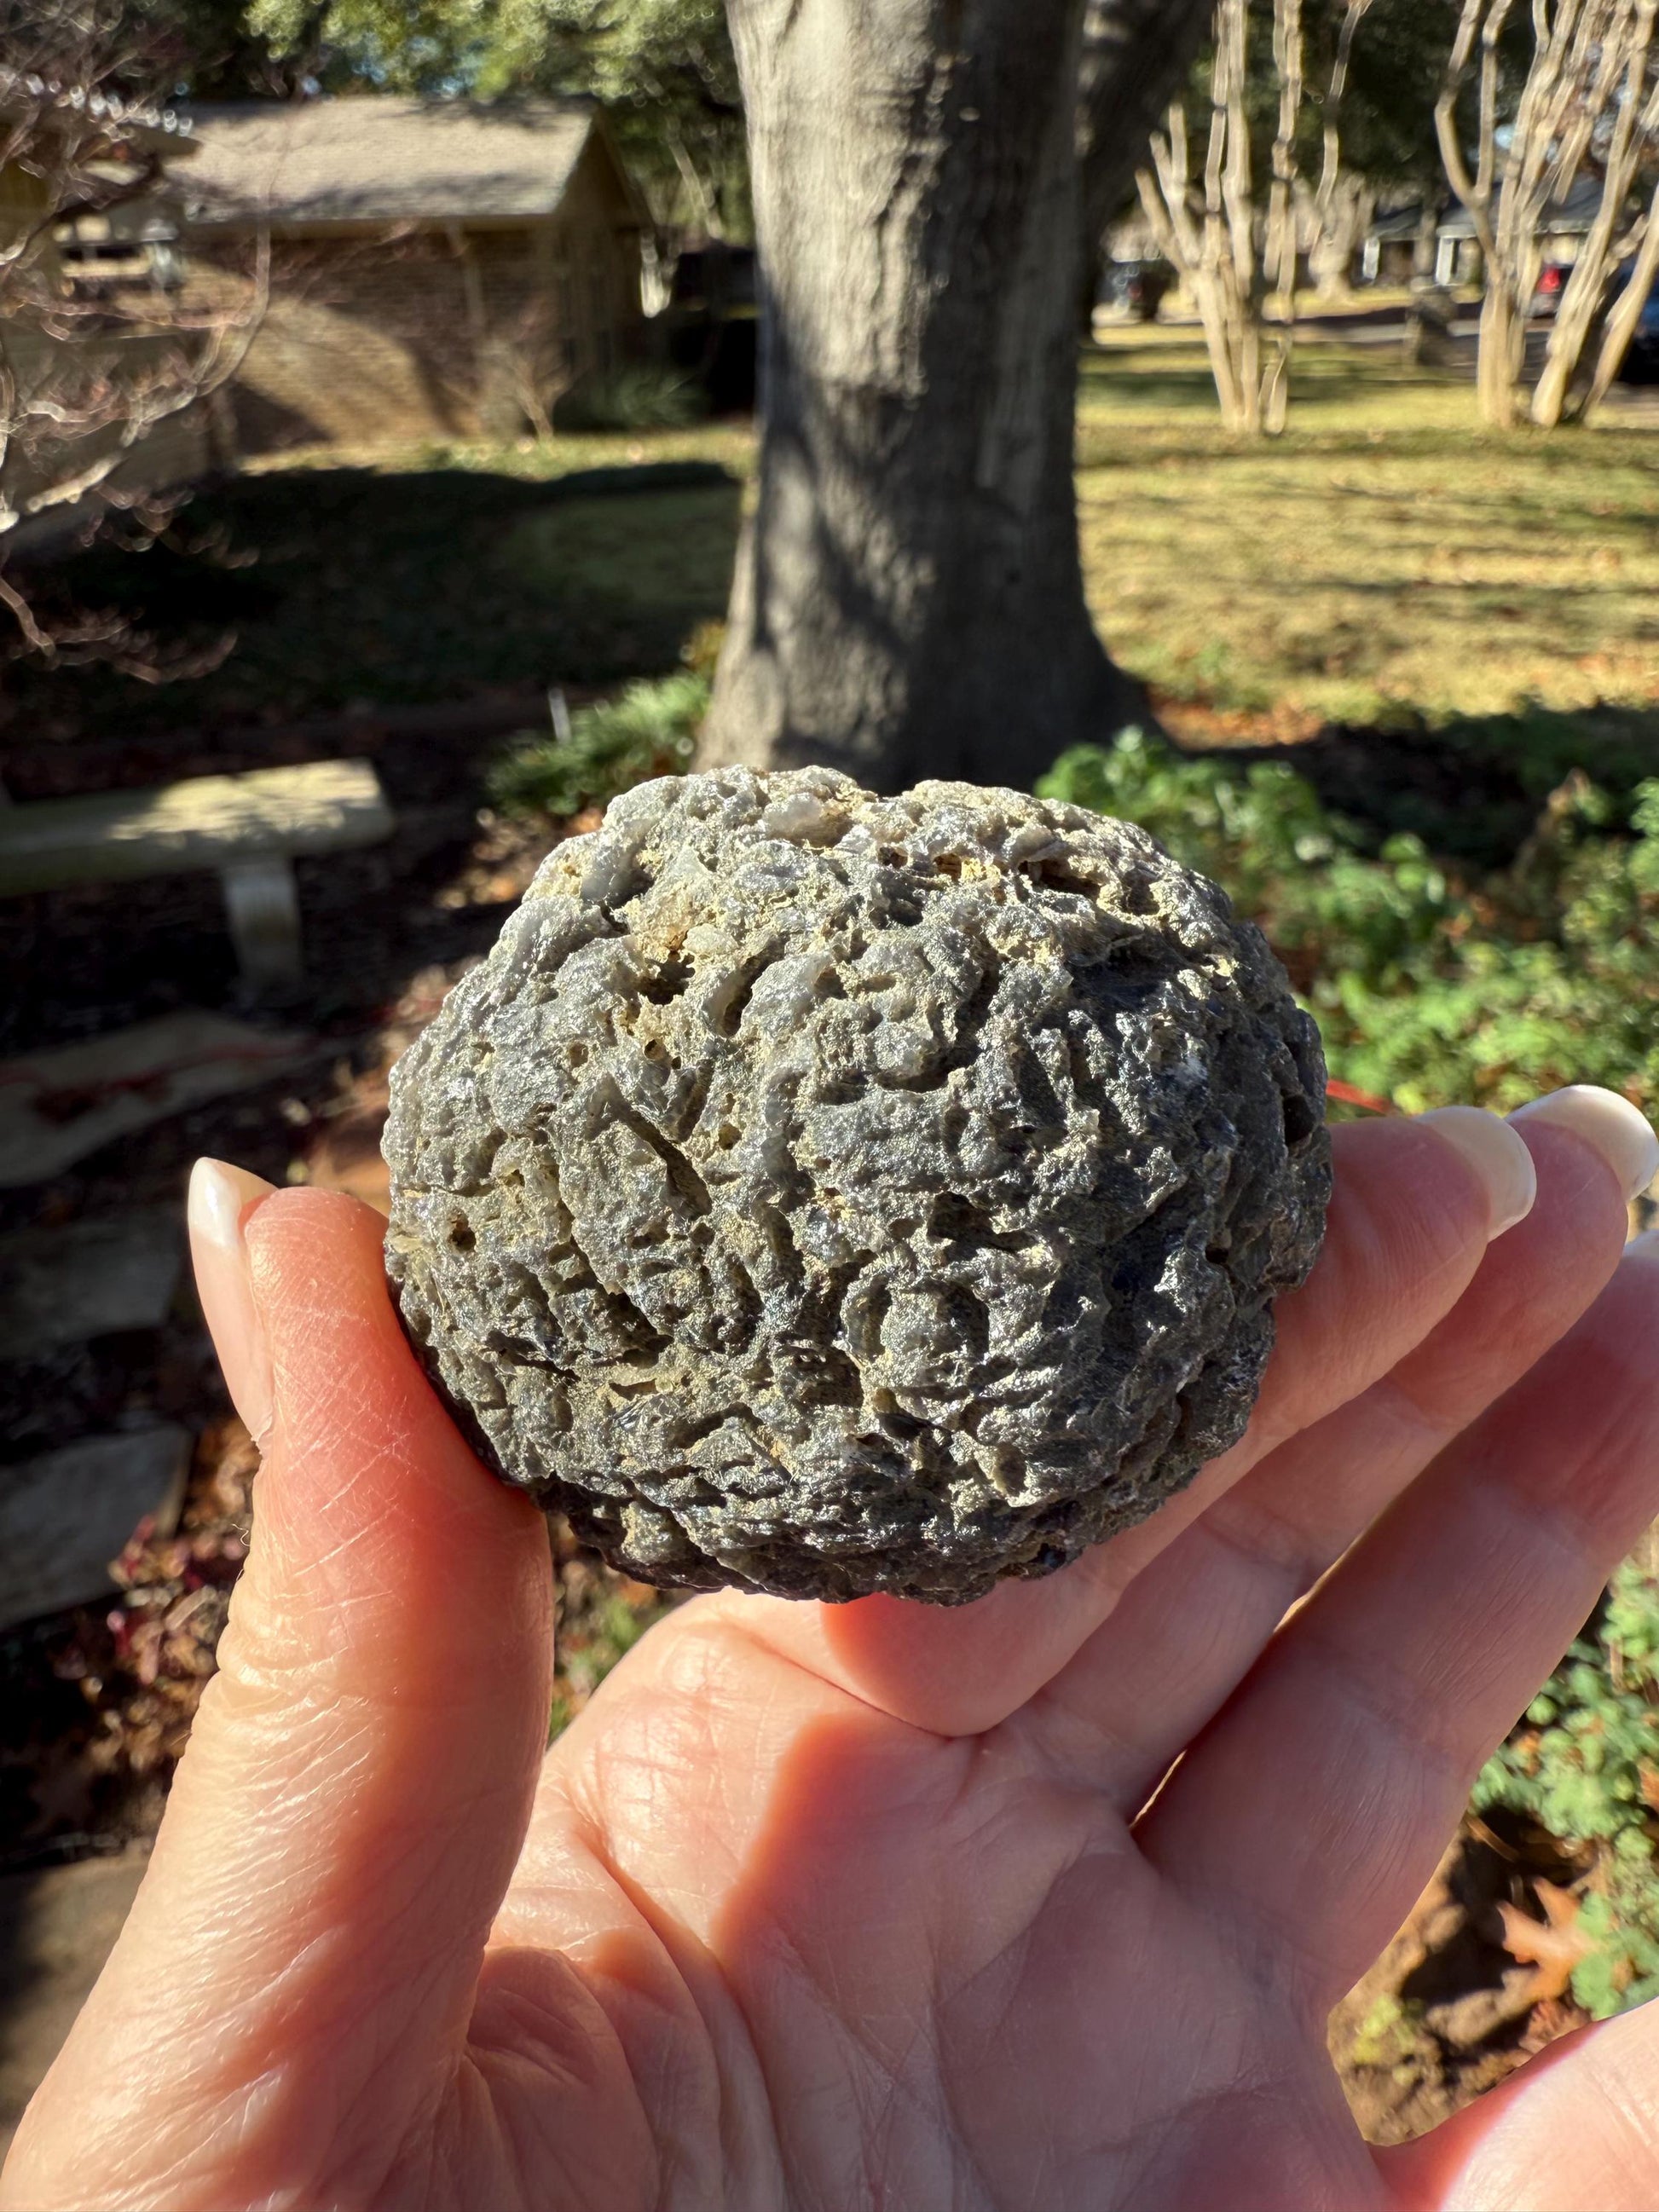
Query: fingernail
pixel 1610 1125
pixel 221 1199
pixel 1497 1156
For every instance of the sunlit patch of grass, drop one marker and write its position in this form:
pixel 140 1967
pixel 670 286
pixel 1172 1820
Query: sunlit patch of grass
pixel 1385 558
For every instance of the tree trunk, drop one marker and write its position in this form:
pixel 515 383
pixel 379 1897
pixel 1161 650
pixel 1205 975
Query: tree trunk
pixel 1499 373
pixel 1135 53
pixel 1625 313
pixel 908 598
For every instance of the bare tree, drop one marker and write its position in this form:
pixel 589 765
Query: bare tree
pixel 1584 110
pixel 90 370
pixel 1577 370
pixel 1231 253
pixel 1341 203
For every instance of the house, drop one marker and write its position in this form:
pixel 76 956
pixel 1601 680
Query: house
pixel 437 267
pixel 1398 242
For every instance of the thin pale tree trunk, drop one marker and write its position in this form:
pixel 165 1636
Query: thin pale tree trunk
pixel 1626 312
pixel 1582 306
pixel 1584 109
pixel 1208 229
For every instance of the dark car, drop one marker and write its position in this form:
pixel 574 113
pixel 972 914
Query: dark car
pixel 1641 361
pixel 1137 286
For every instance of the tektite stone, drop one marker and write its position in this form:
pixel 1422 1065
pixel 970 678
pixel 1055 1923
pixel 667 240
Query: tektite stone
pixel 825 1193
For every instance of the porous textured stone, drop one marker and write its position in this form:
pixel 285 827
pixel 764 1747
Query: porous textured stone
pixel 825 1193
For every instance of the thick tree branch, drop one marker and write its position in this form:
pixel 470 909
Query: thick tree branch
pixel 1135 54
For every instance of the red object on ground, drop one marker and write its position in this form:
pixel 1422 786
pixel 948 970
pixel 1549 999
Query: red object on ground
pixel 1346 1095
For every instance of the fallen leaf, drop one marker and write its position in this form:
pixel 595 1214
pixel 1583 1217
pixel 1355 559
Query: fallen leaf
pixel 1554 1945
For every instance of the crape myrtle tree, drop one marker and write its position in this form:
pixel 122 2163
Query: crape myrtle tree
pixel 1235 249
pixel 1586 110
pixel 1299 113
pixel 909 599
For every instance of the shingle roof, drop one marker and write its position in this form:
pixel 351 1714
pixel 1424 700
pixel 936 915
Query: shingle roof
pixel 379 159
pixel 1574 211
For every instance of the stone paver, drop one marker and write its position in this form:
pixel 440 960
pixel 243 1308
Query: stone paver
pixel 64 1516
pixel 60 1286
pixel 56 1930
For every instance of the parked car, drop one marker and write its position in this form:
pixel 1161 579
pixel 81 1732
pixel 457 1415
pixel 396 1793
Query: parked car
pixel 1139 287
pixel 1641 361
pixel 1552 283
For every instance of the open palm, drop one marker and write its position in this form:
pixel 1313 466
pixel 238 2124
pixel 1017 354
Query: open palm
pixel 1039 1903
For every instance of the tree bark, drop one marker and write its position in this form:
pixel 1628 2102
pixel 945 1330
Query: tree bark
pixel 908 599
pixel 1135 54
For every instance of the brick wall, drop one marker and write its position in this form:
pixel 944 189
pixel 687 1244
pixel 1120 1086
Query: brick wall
pixel 443 330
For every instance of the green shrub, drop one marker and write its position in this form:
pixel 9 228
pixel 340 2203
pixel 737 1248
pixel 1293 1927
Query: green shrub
pixel 650 730
pixel 1428 988
pixel 1584 1764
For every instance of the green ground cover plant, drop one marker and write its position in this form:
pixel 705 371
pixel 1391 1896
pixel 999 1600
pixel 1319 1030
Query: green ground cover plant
pixel 650 730
pixel 1584 1764
pixel 1431 984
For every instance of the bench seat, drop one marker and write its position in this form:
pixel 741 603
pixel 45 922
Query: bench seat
pixel 246 828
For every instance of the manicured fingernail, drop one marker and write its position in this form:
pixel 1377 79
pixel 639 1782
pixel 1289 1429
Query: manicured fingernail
pixel 221 1199
pixel 1608 1123
pixel 1497 1156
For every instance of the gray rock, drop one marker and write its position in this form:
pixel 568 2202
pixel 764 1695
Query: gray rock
pixel 825 1193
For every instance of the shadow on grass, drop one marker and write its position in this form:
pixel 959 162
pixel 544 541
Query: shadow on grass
pixel 1473 788
pixel 339 585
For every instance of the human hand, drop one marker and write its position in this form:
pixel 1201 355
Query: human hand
pixel 865 1906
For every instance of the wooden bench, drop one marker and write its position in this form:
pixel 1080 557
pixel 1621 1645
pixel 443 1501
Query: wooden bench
pixel 246 828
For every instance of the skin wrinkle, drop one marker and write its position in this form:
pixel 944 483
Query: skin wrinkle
pixel 324 2114
pixel 1365 1670
pixel 1256 1931
pixel 639 1910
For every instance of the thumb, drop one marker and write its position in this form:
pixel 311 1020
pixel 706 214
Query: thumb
pixel 294 1984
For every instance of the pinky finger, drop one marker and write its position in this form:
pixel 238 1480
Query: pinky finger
pixel 1576 2130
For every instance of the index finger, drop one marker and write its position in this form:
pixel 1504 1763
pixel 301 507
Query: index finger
pixel 1414 1206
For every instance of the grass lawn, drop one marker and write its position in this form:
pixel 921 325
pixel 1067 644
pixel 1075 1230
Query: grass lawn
pixel 1384 558
pixel 1384 561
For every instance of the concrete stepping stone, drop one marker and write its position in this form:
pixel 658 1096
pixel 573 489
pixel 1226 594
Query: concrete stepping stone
pixel 57 1929
pixel 89 1279
pixel 57 1106
pixel 66 1515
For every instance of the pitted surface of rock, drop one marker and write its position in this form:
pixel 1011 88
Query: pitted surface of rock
pixel 825 1193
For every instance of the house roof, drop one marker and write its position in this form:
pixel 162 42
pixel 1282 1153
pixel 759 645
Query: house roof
pixel 379 159
pixel 1571 215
